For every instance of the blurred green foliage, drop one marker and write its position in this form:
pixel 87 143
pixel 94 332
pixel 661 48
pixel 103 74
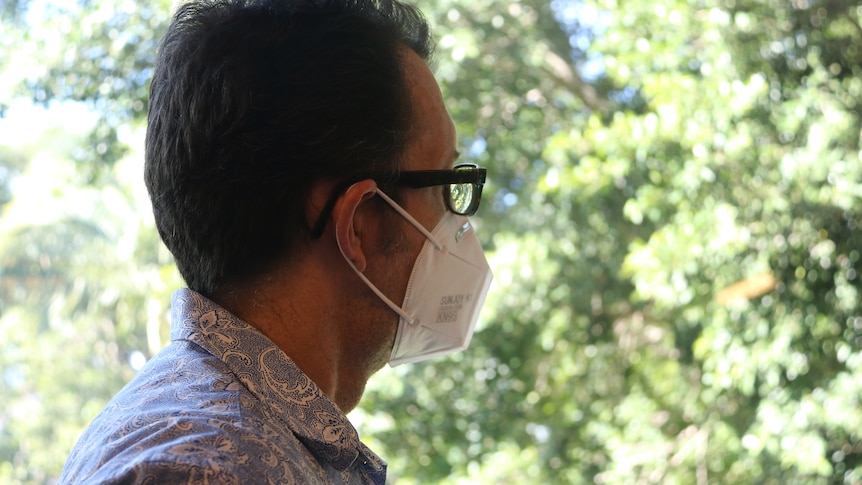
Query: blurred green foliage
pixel 672 216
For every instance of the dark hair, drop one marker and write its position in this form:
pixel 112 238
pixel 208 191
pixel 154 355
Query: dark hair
pixel 251 102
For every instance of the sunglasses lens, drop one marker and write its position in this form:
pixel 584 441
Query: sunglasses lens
pixel 461 198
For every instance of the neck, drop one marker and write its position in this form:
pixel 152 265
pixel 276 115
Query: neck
pixel 305 318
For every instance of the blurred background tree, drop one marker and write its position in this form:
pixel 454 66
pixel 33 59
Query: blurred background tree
pixel 673 220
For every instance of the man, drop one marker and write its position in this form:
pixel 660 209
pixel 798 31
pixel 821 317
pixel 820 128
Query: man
pixel 299 159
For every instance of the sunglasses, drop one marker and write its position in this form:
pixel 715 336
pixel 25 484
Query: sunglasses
pixel 462 188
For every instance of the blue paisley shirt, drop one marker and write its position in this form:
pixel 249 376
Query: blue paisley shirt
pixel 221 404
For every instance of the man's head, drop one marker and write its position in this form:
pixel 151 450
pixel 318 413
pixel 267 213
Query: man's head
pixel 252 103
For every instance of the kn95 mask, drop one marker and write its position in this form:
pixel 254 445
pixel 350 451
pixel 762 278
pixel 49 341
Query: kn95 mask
pixel 446 290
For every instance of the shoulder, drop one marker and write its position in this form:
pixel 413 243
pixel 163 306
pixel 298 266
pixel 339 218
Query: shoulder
pixel 159 472
pixel 185 419
pixel 191 449
pixel 190 462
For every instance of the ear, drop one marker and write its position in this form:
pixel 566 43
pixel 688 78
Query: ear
pixel 349 225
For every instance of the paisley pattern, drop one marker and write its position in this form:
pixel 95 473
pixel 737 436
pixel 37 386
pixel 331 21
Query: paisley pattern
pixel 221 404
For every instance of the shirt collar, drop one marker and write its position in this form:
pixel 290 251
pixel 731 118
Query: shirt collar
pixel 272 377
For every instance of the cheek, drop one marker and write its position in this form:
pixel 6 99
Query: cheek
pixel 400 244
pixel 395 236
pixel 440 202
pixel 406 245
pixel 432 209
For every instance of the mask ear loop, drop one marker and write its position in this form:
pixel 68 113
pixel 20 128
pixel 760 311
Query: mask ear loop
pixel 412 220
pixel 395 308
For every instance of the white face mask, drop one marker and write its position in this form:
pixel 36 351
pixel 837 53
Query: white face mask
pixel 445 292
